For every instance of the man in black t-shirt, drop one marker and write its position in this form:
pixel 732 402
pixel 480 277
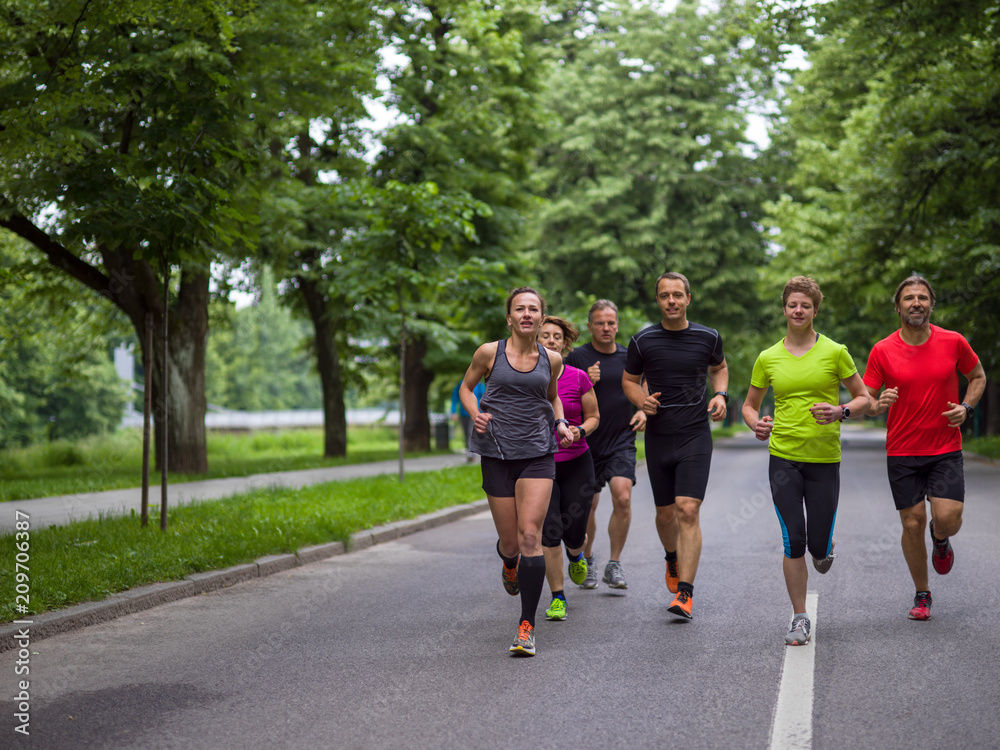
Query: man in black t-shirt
pixel 675 358
pixel 612 445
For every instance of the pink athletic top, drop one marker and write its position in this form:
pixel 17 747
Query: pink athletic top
pixel 573 383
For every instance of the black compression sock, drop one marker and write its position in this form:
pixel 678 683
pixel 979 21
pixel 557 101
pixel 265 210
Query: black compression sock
pixel 508 562
pixel 685 586
pixel 670 556
pixel 531 579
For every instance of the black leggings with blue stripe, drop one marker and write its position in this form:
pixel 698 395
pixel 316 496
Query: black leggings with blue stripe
pixel 805 498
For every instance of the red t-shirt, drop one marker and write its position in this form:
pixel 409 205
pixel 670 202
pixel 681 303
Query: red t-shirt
pixel 927 379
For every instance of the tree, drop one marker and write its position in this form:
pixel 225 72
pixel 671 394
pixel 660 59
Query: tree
pixel 56 376
pixel 468 97
pixel 124 161
pixel 311 105
pixel 257 356
pixel 649 168
pixel 896 141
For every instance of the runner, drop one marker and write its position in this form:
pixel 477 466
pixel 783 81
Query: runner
pixel 460 415
pixel 513 435
pixel 613 445
pixel 805 369
pixel 569 508
pixel 675 357
pixel 919 365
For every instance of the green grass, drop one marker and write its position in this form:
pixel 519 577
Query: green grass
pixel 984 446
pixel 90 560
pixel 114 461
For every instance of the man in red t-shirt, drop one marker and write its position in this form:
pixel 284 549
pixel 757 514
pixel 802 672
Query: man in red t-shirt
pixel 919 366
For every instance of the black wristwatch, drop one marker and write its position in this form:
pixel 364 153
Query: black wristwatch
pixel 968 410
pixel 561 421
pixel 724 394
pixel 583 432
pixel 845 413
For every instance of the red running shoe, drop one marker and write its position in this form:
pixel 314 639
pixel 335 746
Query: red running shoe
pixel 943 556
pixel 921 606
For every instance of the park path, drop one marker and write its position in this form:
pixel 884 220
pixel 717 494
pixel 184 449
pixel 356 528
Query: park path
pixel 53 511
pixel 405 644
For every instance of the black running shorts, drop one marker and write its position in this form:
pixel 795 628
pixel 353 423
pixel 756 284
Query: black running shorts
pixel 678 465
pixel 619 464
pixel 913 478
pixel 500 476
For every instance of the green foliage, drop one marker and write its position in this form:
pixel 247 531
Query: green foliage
pixel 89 560
pixel 648 168
pixel 897 140
pixel 57 380
pixel 257 357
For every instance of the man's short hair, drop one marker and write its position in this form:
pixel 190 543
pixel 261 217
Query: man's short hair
pixel 910 281
pixel 601 304
pixel 802 285
pixel 673 276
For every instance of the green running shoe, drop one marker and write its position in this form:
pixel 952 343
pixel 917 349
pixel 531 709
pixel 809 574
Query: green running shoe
pixel 578 571
pixel 556 610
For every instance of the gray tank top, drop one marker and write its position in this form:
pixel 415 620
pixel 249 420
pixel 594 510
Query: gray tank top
pixel 522 413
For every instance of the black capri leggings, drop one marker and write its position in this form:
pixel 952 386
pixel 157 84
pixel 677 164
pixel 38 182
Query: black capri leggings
pixel 809 523
pixel 569 507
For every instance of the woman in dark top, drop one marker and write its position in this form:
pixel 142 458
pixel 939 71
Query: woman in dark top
pixel 513 432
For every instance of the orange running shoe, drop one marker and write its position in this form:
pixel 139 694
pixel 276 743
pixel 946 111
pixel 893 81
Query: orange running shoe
pixel 510 580
pixel 681 606
pixel 672 578
pixel 524 644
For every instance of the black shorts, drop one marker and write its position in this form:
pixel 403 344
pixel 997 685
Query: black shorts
pixel 805 498
pixel 913 478
pixel 500 476
pixel 678 465
pixel 569 506
pixel 618 464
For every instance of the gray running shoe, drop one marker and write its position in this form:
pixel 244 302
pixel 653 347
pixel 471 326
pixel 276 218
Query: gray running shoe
pixel 590 581
pixel 824 565
pixel 799 633
pixel 613 575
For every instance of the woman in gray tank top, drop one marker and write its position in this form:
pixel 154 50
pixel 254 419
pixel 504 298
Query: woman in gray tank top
pixel 513 432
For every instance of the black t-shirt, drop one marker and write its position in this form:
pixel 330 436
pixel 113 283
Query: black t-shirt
pixel 613 434
pixel 675 365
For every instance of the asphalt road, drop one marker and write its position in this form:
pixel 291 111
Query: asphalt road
pixel 405 644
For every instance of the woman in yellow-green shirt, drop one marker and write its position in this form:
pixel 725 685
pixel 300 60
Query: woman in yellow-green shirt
pixel 805 369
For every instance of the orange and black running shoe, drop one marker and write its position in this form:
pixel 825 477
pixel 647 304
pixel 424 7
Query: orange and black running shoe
pixel 681 606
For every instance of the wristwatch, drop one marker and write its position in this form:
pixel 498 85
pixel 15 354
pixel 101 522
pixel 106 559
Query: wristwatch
pixel 845 413
pixel 968 409
pixel 724 394
pixel 583 432
pixel 560 421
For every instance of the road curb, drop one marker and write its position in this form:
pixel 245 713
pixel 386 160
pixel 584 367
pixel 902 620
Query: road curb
pixel 146 597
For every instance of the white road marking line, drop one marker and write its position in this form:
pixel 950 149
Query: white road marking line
pixel 792 727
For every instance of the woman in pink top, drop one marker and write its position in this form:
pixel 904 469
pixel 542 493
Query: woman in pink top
pixel 573 489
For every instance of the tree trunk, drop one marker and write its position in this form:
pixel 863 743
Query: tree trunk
pixel 991 408
pixel 417 426
pixel 136 288
pixel 187 449
pixel 328 364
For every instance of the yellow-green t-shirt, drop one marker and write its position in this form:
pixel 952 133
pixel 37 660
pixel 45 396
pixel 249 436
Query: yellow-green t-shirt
pixel 798 383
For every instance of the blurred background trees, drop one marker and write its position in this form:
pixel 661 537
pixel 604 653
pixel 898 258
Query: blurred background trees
pixel 371 172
